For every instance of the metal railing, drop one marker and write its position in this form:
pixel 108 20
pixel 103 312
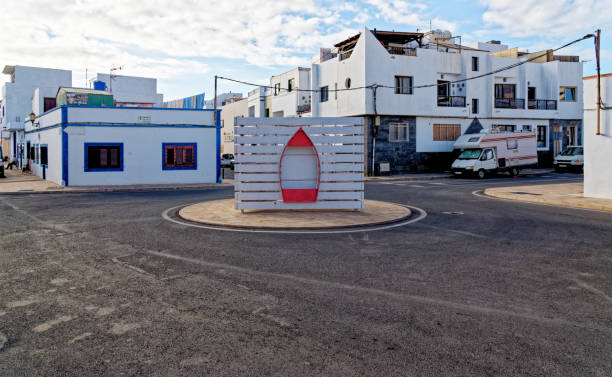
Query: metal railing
pixel 510 103
pixel 402 51
pixel 345 55
pixel 451 101
pixel 542 104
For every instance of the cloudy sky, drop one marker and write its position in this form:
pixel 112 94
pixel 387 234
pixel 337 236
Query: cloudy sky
pixel 184 43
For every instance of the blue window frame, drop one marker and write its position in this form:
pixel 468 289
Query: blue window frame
pixel 103 157
pixel 179 156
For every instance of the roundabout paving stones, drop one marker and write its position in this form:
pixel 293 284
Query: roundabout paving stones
pixel 222 213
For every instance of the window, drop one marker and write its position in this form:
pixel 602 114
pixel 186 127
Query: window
pixel 403 85
pixel 443 88
pixel 276 89
pixel 505 91
pixel 504 127
pixel 446 132
pixel 290 85
pixel 33 153
pixel 267 113
pixel 347 83
pixel 474 105
pixel 179 156
pixel 531 93
pixel 475 63
pixel 398 132
pixel 567 94
pixel 103 157
pixel 49 103
pixel 542 138
pixel 251 111
pixel 44 155
pixel 28 150
pixel 512 143
pixel 324 93
pixel 526 128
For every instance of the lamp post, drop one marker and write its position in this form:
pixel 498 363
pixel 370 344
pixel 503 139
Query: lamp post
pixel 111 77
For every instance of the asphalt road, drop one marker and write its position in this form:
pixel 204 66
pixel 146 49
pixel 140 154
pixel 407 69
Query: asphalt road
pixel 101 284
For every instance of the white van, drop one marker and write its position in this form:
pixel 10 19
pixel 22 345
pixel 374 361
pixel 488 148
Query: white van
pixel 492 151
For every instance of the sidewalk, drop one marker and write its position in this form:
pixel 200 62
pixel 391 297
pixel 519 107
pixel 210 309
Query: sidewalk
pixel 565 195
pixel 18 183
pixel 428 176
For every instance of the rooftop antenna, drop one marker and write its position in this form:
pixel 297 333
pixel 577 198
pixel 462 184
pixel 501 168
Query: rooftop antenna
pixel 111 76
pixel 86 78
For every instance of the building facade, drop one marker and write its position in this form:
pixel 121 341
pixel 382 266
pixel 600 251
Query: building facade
pixel 131 91
pixel 598 147
pixel 30 89
pixel 229 113
pixel 419 92
pixel 90 145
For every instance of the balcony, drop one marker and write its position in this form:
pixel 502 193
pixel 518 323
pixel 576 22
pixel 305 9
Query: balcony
pixel 393 50
pixel 451 101
pixel 509 103
pixel 542 104
pixel 344 55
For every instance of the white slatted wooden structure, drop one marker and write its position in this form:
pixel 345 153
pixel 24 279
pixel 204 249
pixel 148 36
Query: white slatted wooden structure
pixel 259 144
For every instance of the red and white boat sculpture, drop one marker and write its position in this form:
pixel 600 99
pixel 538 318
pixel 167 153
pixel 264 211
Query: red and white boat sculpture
pixel 300 170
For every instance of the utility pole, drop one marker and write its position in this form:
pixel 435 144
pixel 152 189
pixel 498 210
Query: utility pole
pixel 215 101
pixel 598 95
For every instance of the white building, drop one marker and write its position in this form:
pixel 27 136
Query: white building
pixel 598 148
pixel 229 113
pixel 84 145
pixel 131 91
pixel 30 89
pixel 290 93
pixel 221 99
pixel 415 127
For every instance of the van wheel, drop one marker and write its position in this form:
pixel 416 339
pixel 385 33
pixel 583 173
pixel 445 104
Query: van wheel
pixel 515 172
pixel 481 174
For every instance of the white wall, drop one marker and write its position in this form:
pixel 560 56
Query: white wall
pixel 142 155
pixel 142 115
pixel 132 89
pixel 53 138
pixel 597 148
pixel 228 113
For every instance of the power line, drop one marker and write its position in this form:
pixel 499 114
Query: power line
pixel 372 86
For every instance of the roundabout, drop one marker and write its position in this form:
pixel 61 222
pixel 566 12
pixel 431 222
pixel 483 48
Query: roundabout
pixel 221 215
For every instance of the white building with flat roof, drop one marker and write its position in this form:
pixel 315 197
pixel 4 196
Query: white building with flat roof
pixel 131 91
pixel 598 147
pixel 427 94
pixel 30 89
pixel 85 146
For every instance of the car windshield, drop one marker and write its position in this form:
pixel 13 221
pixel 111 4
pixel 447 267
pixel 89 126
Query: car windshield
pixel 574 151
pixel 470 154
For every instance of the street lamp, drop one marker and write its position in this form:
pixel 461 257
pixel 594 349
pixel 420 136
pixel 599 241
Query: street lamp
pixel 32 118
pixel 111 77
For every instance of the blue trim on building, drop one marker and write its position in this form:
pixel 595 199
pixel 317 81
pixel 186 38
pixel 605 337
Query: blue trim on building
pixel 218 145
pixel 120 145
pixel 195 156
pixel 139 125
pixel 134 108
pixel 43 129
pixel 65 165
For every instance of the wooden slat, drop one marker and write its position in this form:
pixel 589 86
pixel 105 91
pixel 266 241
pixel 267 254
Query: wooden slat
pixel 279 148
pixel 339 157
pixel 299 121
pixel 275 186
pixel 353 204
pixel 325 177
pixel 257 158
pixel 342 167
pixel 290 130
pixel 276 195
pixel 264 168
pixel 316 140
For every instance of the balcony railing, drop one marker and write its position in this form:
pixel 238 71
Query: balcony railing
pixel 451 101
pixel 542 104
pixel 510 103
pixel 345 55
pixel 402 51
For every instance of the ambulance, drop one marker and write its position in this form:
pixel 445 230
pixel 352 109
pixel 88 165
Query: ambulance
pixel 494 151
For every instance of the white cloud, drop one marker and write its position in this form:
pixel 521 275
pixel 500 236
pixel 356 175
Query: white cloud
pixel 410 13
pixel 546 19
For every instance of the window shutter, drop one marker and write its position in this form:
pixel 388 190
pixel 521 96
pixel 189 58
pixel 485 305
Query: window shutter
pixel 114 157
pixel 103 157
pixel 189 156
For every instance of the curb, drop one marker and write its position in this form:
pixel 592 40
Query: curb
pixel 547 202
pixel 118 189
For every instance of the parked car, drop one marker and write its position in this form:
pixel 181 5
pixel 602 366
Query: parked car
pixel 492 151
pixel 227 160
pixel 1 164
pixel 570 159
